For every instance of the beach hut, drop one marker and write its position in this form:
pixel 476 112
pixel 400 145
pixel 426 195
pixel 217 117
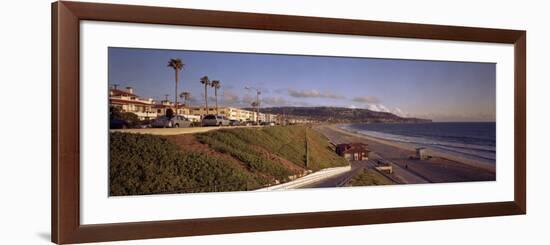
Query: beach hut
pixel 353 151
pixel 421 153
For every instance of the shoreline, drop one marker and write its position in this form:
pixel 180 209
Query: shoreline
pixel 440 168
pixel 468 161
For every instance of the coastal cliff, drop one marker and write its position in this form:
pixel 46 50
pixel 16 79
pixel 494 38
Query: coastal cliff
pixel 341 115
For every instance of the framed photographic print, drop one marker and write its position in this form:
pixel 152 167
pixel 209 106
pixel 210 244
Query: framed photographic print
pixel 176 122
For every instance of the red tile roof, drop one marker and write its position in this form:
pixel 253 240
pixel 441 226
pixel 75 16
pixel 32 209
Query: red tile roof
pixel 180 106
pixel 118 92
pixel 161 106
pixel 119 101
pixel 352 147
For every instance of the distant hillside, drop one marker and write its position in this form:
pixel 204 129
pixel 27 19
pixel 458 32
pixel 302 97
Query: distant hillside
pixel 339 114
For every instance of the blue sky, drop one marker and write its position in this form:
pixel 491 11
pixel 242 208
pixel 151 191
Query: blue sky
pixel 438 90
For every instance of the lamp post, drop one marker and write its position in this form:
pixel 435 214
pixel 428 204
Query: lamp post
pixel 257 104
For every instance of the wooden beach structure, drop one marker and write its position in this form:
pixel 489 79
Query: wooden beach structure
pixel 353 151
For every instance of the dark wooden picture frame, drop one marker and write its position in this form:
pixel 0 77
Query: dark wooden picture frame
pixel 65 175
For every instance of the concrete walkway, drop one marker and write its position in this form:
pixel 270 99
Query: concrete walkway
pixel 175 131
pixel 320 175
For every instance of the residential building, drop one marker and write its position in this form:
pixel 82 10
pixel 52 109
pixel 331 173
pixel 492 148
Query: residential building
pixel 265 117
pixel 127 101
pixel 234 114
pixel 166 104
pixel 147 109
pixel 353 151
pixel 298 120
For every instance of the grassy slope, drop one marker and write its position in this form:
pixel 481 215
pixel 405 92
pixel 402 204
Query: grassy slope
pixel 146 164
pixel 320 154
pixel 369 177
pixel 286 142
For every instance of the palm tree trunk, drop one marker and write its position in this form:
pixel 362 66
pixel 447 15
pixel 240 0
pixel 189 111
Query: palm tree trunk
pixel 206 97
pixel 176 93
pixel 216 94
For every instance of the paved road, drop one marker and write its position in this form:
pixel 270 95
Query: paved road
pixel 320 175
pixel 340 179
pixel 174 131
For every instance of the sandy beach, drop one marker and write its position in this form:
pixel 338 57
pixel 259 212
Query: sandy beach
pixel 438 169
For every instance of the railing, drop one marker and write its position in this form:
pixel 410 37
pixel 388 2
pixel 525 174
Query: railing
pixel 309 179
pixel 214 188
pixel 146 114
pixel 348 178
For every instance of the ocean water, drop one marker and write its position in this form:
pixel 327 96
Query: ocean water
pixel 475 140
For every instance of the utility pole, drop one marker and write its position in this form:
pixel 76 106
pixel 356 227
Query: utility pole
pixel 257 104
pixel 307 150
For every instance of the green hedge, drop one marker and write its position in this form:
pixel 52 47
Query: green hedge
pixel 147 164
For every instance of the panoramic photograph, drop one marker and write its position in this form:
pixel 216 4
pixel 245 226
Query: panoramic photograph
pixel 200 121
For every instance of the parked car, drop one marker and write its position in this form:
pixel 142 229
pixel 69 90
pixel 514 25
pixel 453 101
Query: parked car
pixel 115 123
pixel 267 123
pixel 234 122
pixel 250 123
pixel 215 120
pixel 178 121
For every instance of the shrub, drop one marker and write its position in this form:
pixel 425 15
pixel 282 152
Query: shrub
pixel 147 164
pixel 131 118
pixel 169 113
pixel 368 177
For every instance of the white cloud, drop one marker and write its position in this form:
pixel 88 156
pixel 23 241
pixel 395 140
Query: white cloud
pixel 400 112
pixel 377 107
pixel 367 99
pixel 230 97
pixel 313 93
pixel 274 101
pixel 382 108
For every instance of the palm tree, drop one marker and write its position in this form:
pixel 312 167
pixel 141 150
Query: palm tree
pixel 216 85
pixel 206 82
pixel 177 65
pixel 185 97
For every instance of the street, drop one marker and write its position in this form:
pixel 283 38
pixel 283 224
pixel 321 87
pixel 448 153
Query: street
pixel 175 131
pixel 343 178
